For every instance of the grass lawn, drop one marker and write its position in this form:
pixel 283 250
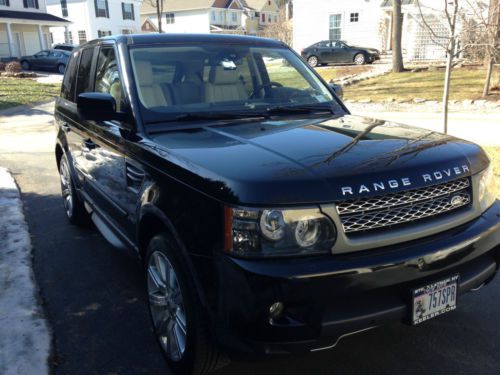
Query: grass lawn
pixel 494 153
pixel 18 91
pixel 467 83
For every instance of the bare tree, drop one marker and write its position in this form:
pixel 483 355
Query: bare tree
pixel 281 30
pixel 493 39
pixel 158 5
pixel 397 30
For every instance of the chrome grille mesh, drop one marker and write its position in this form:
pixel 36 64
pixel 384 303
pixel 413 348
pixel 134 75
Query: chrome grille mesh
pixel 408 206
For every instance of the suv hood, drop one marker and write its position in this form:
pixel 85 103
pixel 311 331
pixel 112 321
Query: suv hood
pixel 304 161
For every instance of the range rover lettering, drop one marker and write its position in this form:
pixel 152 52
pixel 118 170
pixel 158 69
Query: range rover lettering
pixel 268 219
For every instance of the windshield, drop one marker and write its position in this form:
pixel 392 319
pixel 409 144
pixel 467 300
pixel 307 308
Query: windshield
pixel 198 79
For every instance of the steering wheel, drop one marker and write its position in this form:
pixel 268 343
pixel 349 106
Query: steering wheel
pixel 263 86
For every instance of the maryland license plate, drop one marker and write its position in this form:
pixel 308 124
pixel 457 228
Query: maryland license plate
pixel 435 299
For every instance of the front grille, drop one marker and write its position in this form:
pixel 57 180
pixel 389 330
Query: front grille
pixel 404 207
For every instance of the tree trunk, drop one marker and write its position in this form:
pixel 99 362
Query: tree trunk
pixel 159 11
pixel 447 80
pixel 397 29
pixel 493 21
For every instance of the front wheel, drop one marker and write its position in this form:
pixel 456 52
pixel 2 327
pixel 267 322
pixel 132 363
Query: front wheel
pixel 359 59
pixel 61 68
pixel 313 61
pixel 176 312
pixel 25 65
pixel 75 210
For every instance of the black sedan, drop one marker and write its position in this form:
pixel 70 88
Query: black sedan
pixel 46 60
pixel 337 51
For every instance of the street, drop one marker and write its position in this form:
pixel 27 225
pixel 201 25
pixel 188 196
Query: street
pixel 94 297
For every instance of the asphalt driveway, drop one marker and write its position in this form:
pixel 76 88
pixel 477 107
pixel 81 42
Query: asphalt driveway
pixel 94 300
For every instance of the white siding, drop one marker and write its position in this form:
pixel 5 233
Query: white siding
pixel 312 22
pixel 82 15
pixel 194 21
pixel 17 5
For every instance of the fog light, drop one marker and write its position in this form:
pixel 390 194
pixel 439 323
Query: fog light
pixel 276 310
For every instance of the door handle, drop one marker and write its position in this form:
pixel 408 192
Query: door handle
pixel 88 145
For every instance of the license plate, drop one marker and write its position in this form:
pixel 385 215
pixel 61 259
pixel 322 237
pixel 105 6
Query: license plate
pixel 435 299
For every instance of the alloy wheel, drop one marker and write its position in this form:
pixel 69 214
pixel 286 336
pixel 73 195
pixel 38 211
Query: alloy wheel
pixel 67 192
pixel 313 61
pixel 359 59
pixel 166 304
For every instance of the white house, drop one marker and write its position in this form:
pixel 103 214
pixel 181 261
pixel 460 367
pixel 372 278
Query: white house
pixel 91 19
pixel 24 27
pixel 210 16
pixel 368 23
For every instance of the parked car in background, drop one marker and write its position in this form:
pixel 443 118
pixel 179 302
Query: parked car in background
pixel 51 59
pixel 65 47
pixel 337 51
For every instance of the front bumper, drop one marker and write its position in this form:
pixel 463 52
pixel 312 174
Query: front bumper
pixel 332 296
pixel 373 57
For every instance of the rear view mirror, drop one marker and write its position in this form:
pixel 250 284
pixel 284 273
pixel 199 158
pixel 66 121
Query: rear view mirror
pixel 339 91
pixel 96 106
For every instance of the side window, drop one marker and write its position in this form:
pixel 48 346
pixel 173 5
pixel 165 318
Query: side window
pixel 42 54
pixel 281 72
pixel 83 81
pixel 107 78
pixel 68 84
pixel 56 54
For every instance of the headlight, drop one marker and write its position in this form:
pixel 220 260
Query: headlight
pixel 487 188
pixel 277 232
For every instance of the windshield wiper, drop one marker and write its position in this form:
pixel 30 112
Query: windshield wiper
pixel 304 109
pixel 213 116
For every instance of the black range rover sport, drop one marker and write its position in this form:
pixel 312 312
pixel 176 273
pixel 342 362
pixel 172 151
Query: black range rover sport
pixel 268 218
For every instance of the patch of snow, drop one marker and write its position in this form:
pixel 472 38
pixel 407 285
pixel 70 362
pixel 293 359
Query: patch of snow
pixel 24 333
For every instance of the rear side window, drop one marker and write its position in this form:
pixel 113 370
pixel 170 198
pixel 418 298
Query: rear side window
pixel 68 84
pixel 83 81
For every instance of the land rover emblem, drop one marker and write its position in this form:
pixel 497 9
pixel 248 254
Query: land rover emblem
pixel 457 201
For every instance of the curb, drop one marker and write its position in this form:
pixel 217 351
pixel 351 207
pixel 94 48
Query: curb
pixel 25 107
pixel 25 339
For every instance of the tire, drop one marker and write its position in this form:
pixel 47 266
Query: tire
pixel 61 68
pixel 25 65
pixel 73 206
pixel 179 319
pixel 359 59
pixel 313 61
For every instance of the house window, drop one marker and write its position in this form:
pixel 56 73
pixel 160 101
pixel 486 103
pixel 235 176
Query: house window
pixel 335 26
pixel 4 3
pixel 128 11
pixel 354 17
pixel 30 3
pixel 263 18
pixel 214 16
pixel 70 37
pixel 64 8
pixel 51 36
pixel 234 17
pixel 82 37
pixel 170 17
pixel 103 33
pixel 101 8
pixel 127 31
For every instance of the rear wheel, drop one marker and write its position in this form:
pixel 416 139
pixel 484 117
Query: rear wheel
pixel 25 65
pixel 75 210
pixel 359 59
pixel 61 68
pixel 313 61
pixel 176 312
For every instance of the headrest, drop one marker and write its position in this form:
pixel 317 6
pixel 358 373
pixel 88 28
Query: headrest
pixel 223 76
pixel 144 73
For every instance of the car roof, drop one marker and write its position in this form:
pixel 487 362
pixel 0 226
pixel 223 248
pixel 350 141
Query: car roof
pixel 147 39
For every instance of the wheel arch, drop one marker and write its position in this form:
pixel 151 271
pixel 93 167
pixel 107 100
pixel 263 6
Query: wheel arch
pixel 154 221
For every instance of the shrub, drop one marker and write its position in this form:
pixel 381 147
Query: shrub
pixel 2 66
pixel 13 67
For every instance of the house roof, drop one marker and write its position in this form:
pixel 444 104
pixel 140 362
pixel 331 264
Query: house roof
pixel 181 5
pixel 255 4
pixel 32 16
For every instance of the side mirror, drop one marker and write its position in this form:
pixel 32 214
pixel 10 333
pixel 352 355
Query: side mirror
pixel 339 91
pixel 96 106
